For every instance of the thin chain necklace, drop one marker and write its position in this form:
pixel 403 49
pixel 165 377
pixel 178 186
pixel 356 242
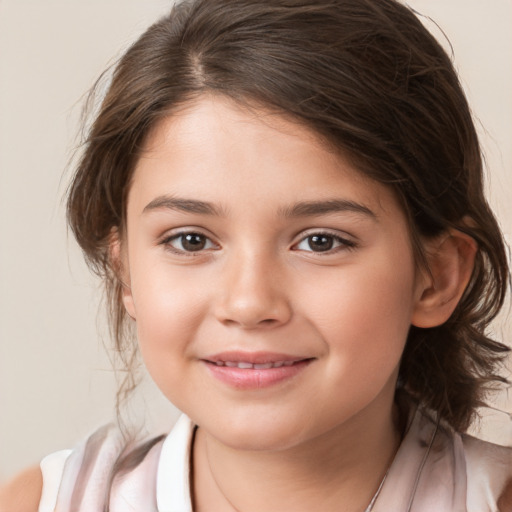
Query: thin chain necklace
pixel 369 508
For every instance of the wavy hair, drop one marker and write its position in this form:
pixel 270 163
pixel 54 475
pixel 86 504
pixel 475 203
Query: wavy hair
pixel 368 78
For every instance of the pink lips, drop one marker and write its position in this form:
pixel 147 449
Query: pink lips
pixel 254 370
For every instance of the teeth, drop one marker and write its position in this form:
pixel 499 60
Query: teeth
pixel 260 366
pixel 263 366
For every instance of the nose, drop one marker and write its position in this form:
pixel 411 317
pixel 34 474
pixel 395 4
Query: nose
pixel 253 294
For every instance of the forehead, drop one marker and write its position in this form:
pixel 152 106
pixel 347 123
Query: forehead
pixel 216 149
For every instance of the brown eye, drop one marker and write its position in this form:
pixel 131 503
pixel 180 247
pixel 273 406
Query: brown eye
pixel 324 242
pixel 193 242
pixel 320 243
pixel 188 242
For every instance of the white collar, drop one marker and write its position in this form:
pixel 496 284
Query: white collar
pixel 173 483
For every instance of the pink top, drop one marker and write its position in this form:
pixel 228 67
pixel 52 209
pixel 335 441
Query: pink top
pixel 434 470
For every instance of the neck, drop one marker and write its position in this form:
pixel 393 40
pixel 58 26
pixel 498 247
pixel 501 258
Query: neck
pixel 345 465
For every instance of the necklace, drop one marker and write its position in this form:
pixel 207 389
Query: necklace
pixel 369 508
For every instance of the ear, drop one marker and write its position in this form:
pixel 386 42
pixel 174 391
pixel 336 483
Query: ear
pixel 120 265
pixel 450 258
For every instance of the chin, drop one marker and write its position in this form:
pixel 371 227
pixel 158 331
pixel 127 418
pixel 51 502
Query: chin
pixel 251 439
pixel 253 432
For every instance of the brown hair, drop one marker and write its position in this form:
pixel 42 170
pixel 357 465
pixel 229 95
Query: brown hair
pixel 370 79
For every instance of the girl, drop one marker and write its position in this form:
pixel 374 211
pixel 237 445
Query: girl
pixel 285 201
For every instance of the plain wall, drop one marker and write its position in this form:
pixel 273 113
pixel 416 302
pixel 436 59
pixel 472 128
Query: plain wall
pixel 55 381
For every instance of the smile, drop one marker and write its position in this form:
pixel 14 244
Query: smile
pixel 246 365
pixel 252 371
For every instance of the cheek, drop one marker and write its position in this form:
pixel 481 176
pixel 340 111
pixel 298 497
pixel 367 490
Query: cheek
pixel 364 315
pixel 169 308
pixel 166 325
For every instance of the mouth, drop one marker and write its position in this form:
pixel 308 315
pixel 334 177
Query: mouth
pixel 245 365
pixel 245 370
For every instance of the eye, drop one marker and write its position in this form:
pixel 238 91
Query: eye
pixel 189 241
pixel 324 242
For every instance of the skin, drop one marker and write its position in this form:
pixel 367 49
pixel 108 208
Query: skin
pixel 257 284
pixel 261 282
pixel 22 493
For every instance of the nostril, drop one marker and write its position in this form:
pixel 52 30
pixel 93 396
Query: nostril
pixel 248 323
pixel 252 307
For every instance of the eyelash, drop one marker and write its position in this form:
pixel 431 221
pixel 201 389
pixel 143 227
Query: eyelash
pixel 167 243
pixel 344 243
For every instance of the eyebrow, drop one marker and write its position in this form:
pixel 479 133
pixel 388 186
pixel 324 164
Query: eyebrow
pixel 312 208
pixel 183 205
pixel 300 209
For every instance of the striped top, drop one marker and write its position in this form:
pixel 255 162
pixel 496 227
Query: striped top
pixel 435 469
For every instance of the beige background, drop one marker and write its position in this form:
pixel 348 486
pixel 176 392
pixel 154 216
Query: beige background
pixel 55 381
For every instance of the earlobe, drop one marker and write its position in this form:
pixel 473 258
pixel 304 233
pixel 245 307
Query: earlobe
pixel 128 300
pixel 119 264
pixel 451 259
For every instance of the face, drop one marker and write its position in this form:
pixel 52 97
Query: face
pixel 271 283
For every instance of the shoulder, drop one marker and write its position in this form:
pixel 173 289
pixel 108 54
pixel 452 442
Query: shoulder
pixel 489 472
pixel 458 471
pixel 107 468
pixel 23 493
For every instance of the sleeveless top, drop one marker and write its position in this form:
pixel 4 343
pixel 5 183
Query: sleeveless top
pixel 434 470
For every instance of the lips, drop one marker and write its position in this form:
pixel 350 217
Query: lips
pixel 254 370
pixel 233 358
pixel 245 365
